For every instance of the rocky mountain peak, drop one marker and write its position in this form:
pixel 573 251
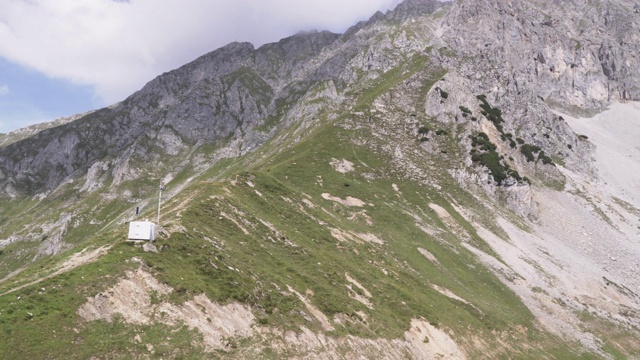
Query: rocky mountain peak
pixel 412 8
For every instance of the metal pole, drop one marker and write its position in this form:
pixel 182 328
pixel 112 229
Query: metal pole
pixel 159 201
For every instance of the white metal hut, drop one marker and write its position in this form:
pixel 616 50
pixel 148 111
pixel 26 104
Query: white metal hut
pixel 142 230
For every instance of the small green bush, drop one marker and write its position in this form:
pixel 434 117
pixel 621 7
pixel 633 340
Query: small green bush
pixel 492 161
pixel 482 140
pixel 545 159
pixel 493 114
pixel 423 130
pixel 464 109
pixel 514 174
pixel 528 151
pixel 484 153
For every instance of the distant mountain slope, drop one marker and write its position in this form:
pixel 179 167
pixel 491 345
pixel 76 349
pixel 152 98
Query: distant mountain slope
pixel 23 133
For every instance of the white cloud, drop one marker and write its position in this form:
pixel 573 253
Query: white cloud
pixel 4 90
pixel 117 46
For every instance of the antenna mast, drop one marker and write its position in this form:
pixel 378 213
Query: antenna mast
pixel 159 201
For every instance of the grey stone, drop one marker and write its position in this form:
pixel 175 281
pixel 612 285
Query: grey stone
pixel 149 247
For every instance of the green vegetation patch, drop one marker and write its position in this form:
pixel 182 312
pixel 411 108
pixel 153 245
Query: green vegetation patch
pixel 493 114
pixel 529 150
pixel 465 111
pixel 484 153
pixel 443 94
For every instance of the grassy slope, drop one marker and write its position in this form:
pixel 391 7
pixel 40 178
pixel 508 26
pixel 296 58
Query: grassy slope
pixel 302 254
pixel 55 331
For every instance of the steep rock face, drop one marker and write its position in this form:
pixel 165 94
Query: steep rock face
pixel 580 52
pixel 216 97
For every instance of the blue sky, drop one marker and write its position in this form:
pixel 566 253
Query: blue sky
pixel 63 57
pixel 28 97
